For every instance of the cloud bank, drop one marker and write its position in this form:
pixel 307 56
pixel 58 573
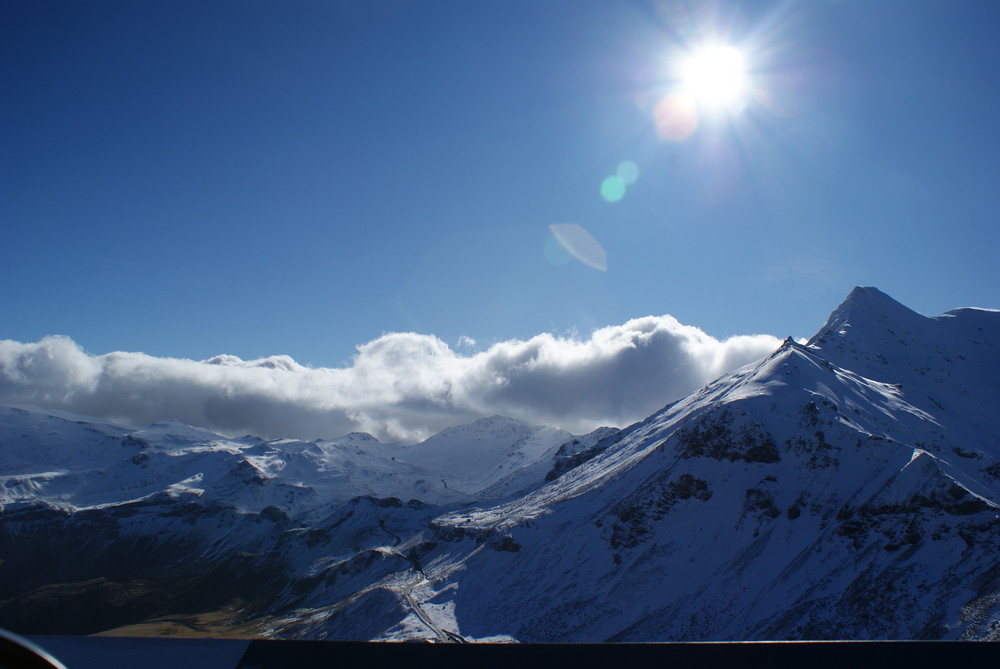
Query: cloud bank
pixel 401 386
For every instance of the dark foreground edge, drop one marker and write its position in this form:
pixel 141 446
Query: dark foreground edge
pixel 815 655
pixel 151 653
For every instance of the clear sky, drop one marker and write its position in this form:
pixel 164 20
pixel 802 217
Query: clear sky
pixel 194 178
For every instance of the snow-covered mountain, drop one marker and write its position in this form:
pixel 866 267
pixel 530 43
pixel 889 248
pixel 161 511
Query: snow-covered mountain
pixel 848 487
pixel 71 462
pixel 134 523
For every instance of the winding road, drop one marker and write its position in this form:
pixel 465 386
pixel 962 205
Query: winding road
pixel 444 636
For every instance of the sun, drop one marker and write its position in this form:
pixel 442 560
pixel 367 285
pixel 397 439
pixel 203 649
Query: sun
pixel 715 77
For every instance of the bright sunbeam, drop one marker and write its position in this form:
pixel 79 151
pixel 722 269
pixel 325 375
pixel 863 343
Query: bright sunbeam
pixel 715 77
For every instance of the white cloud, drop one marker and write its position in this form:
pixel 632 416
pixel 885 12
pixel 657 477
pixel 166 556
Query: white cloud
pixel 399 386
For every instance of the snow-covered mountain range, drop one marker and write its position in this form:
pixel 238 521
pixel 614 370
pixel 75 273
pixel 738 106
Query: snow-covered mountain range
pixel 845 488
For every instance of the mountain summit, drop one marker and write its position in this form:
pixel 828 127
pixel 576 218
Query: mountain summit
pixel 847 488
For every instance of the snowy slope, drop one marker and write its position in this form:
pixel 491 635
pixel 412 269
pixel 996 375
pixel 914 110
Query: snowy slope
pixel 73 462
pixel 845 488
pixel 471 459
pixel 134 523
pixel 794 498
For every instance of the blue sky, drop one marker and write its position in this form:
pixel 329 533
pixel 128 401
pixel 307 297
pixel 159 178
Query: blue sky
pixel 188 179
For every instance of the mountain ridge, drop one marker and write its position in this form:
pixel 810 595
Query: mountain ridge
pixel 848 487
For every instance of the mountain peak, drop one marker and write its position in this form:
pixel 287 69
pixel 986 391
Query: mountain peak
pixel 867 309
pixel 870 297
pixel 872 302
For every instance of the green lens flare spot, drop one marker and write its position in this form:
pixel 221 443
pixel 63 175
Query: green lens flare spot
pixel 613 188
pixel 628 172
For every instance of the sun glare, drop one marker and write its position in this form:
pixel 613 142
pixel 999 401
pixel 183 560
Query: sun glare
pixel 715 76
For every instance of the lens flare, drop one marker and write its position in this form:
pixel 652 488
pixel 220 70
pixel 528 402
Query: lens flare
pixel 676 117
pixel 613 188
pixel 581 245
pixel 628 172
pixel 555 252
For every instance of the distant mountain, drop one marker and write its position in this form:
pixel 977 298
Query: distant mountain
pixel 102 525
pixel 846 488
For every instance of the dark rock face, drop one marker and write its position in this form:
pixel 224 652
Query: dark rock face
pixel 714 437
pixel 634 515
pixel 102 572
pixel 574 453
